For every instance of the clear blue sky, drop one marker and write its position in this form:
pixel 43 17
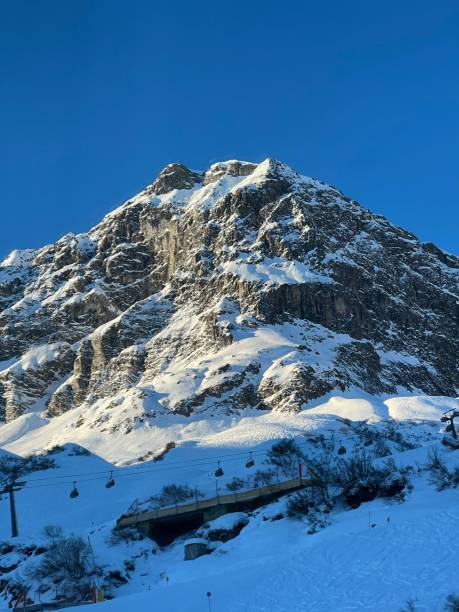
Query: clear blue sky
pixel 97 96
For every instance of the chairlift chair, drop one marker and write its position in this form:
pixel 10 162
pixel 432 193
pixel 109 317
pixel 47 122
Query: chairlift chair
pixel 74 492
pixel 110 482
pixel 250 462
pixel 219 471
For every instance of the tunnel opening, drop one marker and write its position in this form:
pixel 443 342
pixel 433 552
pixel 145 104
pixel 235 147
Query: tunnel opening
pixel 166 531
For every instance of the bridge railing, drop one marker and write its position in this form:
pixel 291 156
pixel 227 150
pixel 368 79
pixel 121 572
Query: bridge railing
pixel 203 504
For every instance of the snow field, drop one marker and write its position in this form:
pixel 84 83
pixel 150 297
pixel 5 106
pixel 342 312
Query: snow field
pixel 271 565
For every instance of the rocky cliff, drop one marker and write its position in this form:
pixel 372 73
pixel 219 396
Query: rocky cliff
pixel 244 286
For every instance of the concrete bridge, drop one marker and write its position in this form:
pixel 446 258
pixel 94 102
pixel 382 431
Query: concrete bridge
pixel 165 524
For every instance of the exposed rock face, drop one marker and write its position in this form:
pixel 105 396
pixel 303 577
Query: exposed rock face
pixel 196 548
pixel 33 378
pixel 245 286
pixel 175 176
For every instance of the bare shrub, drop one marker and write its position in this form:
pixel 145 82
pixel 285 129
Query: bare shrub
pixel 284 455
pixel 125 534
pixel 54 450
pixel 68 556
pixel 53 533
pixel 380 448
pixel 452 603
pixel 15 588
pixel 170 495
pixel 316 521
pixel 303 504
pixel 299 504
pixel 361 480
pixel 67 562
pixel 322 470
pixel 410 606
pixel 16 467
pixel 263 478
pixel 79 451
pixel 160 456
pixel 393 433
pixel 236 484
pixel 356 477
pixel 174 494
pixel 440 475
pixel 450 442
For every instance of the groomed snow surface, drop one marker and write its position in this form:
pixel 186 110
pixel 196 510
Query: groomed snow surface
pixel 273 565
pixel 277 567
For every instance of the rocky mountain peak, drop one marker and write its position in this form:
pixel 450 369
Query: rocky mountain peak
pixel 246 286
pixel 232 167
pixel 175 176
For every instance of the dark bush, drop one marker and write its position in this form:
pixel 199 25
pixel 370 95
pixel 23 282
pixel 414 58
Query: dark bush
pixel 67 562
pixel 53 533
pixel 392 486
pixel 236 484
pixel 125 534
pixel 362 481
pixel 440 475
pixel 263 478
pixel 299 504
pixel 16 467
pixel 452 603
pixel 284 455
pixel 321 470
pixel 79 451
pixel 410 606
pixel 115 579
pixel 160 456
pixel 380 448
pixel 174 494
pixel 68 556
pixel 450 442
pixel 55 450
pixel 392 433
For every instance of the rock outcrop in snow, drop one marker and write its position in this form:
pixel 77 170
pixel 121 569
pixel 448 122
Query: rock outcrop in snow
pixel 244 286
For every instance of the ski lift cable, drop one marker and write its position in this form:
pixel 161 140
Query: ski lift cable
pixel 209 460
pixel 120 475
pixel 141 469
pixel 93 476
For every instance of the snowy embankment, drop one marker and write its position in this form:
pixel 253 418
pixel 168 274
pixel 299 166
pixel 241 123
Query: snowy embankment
pixel 277 567
pixel 272 564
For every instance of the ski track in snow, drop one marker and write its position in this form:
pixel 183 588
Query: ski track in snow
pixel 272 565
pixel 347 567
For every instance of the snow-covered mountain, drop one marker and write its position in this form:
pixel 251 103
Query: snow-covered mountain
pixel 246 286
pixel 206 319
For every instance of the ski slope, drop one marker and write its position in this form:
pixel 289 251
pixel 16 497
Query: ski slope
pixel 273 565
pixel 349 566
